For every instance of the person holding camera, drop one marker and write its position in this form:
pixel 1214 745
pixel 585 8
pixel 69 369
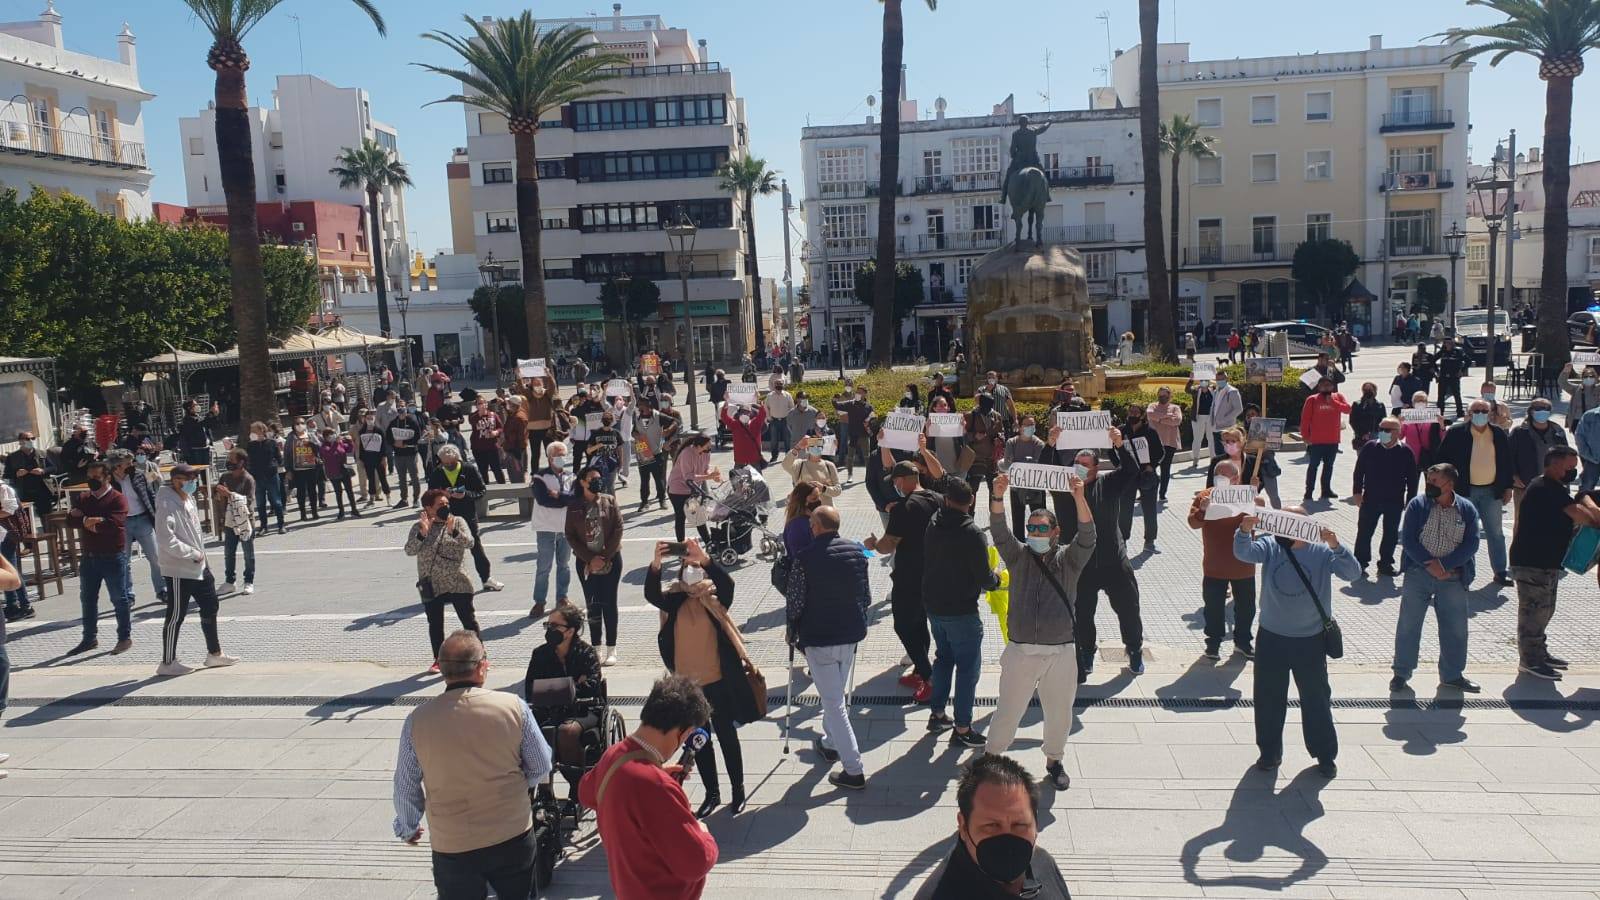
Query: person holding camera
pixel 441 540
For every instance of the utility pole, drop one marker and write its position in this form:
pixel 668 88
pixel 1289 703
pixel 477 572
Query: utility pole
pixel 788 275
pixel 1511 236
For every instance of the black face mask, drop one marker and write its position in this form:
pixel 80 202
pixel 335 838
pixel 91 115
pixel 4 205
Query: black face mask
pixel 594 486
pixel 1433 491
pixel 442 513
pixel 1003 857
pixel 1570 477
pixel 553 636
pixel 95 484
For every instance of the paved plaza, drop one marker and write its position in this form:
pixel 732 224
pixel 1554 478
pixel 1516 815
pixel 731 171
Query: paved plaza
pixel 272 778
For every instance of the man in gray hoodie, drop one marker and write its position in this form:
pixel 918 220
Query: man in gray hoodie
pixel 181 543
pixel 1039 622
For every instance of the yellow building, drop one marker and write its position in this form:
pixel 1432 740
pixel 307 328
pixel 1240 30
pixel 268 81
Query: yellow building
pixel 1368 146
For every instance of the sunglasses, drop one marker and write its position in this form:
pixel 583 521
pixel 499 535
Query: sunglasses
pixel 1038 529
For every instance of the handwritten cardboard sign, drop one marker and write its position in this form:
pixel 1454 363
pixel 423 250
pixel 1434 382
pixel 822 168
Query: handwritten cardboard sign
pixel 1141 450
pixel 618 387
pixel 944 425
pixel 1419 414
pixel 1204 371
pixel 1310 377
pixel 1037 477
pixel 1230 501
pixel 650 364
pixel 1264 369
pixel 1083 430
pixel 1584 358
pixel 741 393
pixel 531 368
pixel 1289 525
pixel 901 430
pixel 1265 432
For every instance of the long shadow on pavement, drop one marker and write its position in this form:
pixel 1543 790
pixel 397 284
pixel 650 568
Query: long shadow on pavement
pixel 1420 732
pixel 1527 688
pixel 1256 819
pixel 352 706
pixel 920 865
pixel 1204 679
pixel 83 701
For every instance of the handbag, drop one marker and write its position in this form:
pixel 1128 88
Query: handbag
pixel 425 588
pixel 1332 634
pixel 1582 551
pixel 752 674
pixel 780 573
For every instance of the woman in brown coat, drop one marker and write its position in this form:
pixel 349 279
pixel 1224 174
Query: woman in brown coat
pixel 594 531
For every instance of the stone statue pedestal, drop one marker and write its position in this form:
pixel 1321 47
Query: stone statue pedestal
pixel 1028 316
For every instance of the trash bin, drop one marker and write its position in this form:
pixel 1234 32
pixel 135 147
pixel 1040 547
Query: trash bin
pixel 1529 338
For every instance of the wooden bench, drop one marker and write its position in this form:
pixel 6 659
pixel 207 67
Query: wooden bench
pixel 519 492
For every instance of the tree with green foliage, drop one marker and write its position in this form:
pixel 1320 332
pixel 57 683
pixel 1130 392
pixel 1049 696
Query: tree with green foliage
pixel 629 301
pixel 748 178
pixel 1322 269
pixel 1432 294
pixel 512 330
pixel 908 291
pixel 371 168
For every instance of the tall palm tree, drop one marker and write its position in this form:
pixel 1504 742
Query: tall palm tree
pixel 371 167
pixel 894 44
pixel 1160 335
pixel 747 178
pixel 229 21
pixel 1557 33
pixel 1179 138
pixel 513 70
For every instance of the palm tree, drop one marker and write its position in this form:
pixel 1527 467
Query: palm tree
pixel 1179 138
pixel 229 21
pixel 1160 336
pixel 1557 33
pixel 747 178
pixel 513 70
pixel 372 168
pixel 894 44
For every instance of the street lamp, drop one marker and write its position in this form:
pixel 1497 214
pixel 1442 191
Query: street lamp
pixel 1452 245
pixel 491 272
pixel 1490 190
pixel 402 302
pixel 681 235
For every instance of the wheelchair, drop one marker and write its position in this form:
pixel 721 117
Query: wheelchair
pixel 555 820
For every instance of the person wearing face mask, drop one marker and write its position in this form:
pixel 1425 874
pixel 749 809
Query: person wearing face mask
pixel 594 532
pixel 1026 447
pixel 514 440
pixel 697 640
pixel 1325 368
pixel 1406 384
pixel 949 450
pixel 338 467
pixel 1583 393
pixel 938 388
pixel 487 426
pixel 1289 640
pixel 1423 367
pixel 802 420
pixel 403 437
pixel 1586 437
pixel 692 466
pixel 641 811
pixel 565 654
pixel 302 449
pixel 1148 451
pixel 1222 572
pixel 1440 547
pixel 1480 451
pixel 26 468
pixel 605 450
pixel 263 459
pixel 1449 365
pixel 1530 441
pixel 1537 552
pixel 745 424
pixel 649 444
pixel 181 542
pixel 983 436
pixel 1166 417
pixel 910 399
pixel 905 536
pixel 1202 438
pixel 374 446
pixel 542 421
pixel 852 405
pixel 1320 424
pixel 1040 656
pixel 581 406
pixel 463 484
pixel 1004 404
pixel 195 433
pixel 1385 480
pixel 1365 415
pixel 1499 412
pixel 1066 399
pixel 779 403
pixel 1422 438
pixel 100 514
pixel 441 542
pixel 554 488
pixel 233 510
pixel 955 573
pixel 996 854
pixel 1226 406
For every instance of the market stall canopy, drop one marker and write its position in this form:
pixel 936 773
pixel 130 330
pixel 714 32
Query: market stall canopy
pixel 1357 291
pixel 41 366
pixel 300 345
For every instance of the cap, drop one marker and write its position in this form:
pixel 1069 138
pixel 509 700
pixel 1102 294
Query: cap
pixel 185 470
pixel 904 468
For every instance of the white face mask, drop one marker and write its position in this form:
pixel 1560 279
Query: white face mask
pixel 1221 481
pixel 693 575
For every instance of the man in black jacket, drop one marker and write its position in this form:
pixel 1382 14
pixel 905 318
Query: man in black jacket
pixel 195 433
pixel 1109 570
pixel 955 572
pixel 462 483
pixel 996 854
pixel 1148 453
pixel 1530 441
pixel 827 613
pixel 910 511
pixel 1481 453
pixel 1449 364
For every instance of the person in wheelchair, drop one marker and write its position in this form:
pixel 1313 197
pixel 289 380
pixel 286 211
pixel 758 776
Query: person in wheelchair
pixel 571 717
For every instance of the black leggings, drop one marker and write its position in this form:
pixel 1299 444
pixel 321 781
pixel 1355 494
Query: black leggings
pixel 680 520
pixel 1166 469
pixel 377 477
pixel 434 610
pixel 480 559
pixel 727 732
pixel 305 484
pixel 600 596
pixel 341 484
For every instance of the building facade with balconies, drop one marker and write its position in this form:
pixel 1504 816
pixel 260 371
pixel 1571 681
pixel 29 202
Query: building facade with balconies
pixel 73 122
pixel 1368 146
pixel 1527 241
pixel 948 214
pixel 614 172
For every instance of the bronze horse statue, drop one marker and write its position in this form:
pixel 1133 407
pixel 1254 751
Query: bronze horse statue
pixel 1028 191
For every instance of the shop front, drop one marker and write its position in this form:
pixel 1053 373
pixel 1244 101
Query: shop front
pixel 583 330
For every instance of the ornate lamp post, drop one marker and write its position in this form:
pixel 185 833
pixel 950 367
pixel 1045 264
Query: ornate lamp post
pixel 681 234
pixel 491 272
pixel 1453 240
pixel 1491 191
pixel 402 302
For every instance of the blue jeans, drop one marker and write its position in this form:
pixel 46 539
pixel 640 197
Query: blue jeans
pixel 1487 501
pixel 778 432
pixel 553 547
pixel 113 570
pixel 1324 454
pixel 830 671
pixel 269 498
pixel 230 550
pixel 17 599
pixel 1449 599
pixel 1590 476
pixel 142 531
pixel 958 651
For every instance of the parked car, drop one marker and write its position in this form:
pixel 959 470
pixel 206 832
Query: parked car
pixel 1580 324
pixel 1305 339
pixel 1472 331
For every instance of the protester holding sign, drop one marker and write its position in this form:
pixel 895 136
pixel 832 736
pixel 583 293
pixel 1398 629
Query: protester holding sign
pixel 1148 452
pixel 904 536
pixel 984 435
pixel 1221 571
pixel 1296 602
pixel 1385 479
pixel 805 463
pixel 1441 544
pixel 1320 424
pixel 947 449
pixel 541 408
pixel 585 411
pixel 1026 447
pixel 745 423
pixel 1407 385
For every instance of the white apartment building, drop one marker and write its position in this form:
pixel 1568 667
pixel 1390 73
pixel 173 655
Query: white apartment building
pixel 614 171
pixel 948 214
pixel 294 144
pixel 74 122
pixel 1583 240
pixel 1365 146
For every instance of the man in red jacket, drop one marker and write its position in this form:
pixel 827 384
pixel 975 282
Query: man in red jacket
pixel 1321 423
pixel 746 424
pixel 655 847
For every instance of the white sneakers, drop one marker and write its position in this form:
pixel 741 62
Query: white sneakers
pixel 249 588
pixel 219 660
pixel 173 668
pixel 611 657
pixel 3 758
pixel 489 584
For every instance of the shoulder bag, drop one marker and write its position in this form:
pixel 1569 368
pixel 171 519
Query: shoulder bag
pixel 780 573
pixel 1332 634
pixel 752 674
pixel 1072 614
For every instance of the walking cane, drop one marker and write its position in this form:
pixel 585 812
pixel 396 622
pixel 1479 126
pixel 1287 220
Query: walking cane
pixel 788 699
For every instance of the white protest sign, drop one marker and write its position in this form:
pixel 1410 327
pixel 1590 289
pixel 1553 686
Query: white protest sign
pixel 1083 430
pixel 1204 371
pixel 944 425
pixel 1419 414
pixel 1230 501
pixel 1583 358
pixel 741 394
pixel 1310 377
pixel 901 430
pixel 1036 477
pixel 1397 397
pixel 593 421
pixel 530 368
pixel 830 445
pixel 1289 525
pixel 1141 450
pixel 618 387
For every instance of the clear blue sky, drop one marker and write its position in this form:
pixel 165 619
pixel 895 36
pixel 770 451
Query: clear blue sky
pixel 793 63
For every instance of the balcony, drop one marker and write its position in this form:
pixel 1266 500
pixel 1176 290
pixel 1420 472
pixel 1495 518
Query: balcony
pixel 975 181
pixel 985 239
pixel 1418 120
pixel 852 246
pixel 1081 234
pixel 1423 249
pixel 837 190
pixel 1415 182
pixel 670 69
pixel 1081 176
pixel 932 184
pixel 44 142
pixel 1240 254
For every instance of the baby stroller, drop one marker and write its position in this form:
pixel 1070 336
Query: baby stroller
pixel 733 512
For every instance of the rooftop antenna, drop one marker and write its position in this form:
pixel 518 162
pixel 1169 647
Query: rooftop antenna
pixel 1046 93
pixel 1174 21
pixel 1105 17
pixel 299 41
pixel 1104 73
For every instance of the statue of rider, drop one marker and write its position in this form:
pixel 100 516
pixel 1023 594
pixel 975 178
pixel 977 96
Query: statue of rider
pixel 1024 151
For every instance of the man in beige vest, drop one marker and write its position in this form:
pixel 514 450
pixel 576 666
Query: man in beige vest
pixel 479 751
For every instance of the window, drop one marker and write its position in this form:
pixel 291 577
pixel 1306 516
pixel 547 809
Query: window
pixel 705 109
pixel 1091 166
pixel 1278 300
pixel 1250 296
pixel 610 115
pixel 1264 235
pixel 497 173
pixel 1319 226
pixel 1052 163
pixel 600 266
pixel 711 342
pixel 1209 240
pixel 1208 170
pixel 1264 110
pixel 713 213
pixel 641 165
pixel 984 216
pixel 1319 106
pixel 1478 258
pixel 554 218
pixel 1319 165
pixel 1208 113
pixel 1099 266
pixel 492 123
pixel 964 267
pixel 932 163
pixel 1594 254
pixel 1411 232
pixel 1411 159
pixel 842 280
pixel 385 140
pixel 837 165
pixel 934 219
pixel 844 221
pixel 552 168
pixel 500 223
pixel 1263 167
pixel 1222 308
pixel 976 155
pixel 1411 105
pixel 197 146
pixel 618 217
pixel 280 181
pixel 340 240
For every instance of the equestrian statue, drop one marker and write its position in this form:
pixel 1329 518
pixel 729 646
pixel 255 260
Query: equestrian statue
pixel 1026 187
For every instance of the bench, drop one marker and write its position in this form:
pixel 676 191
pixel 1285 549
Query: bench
pixel 518 492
